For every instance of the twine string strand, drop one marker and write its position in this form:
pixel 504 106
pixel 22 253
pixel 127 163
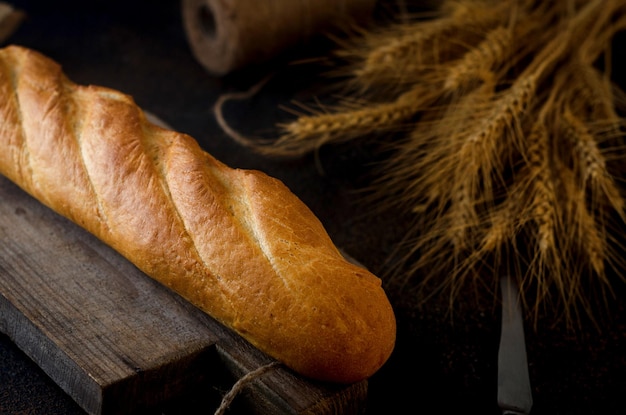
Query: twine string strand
pixel 242 383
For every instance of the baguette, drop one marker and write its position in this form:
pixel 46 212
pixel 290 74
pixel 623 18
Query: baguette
pixel 235 243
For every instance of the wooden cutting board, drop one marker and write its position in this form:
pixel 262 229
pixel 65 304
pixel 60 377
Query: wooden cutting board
pixel 118 342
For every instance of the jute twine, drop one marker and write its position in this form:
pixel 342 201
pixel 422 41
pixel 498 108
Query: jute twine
pixel 242 383
pixel 218 111
pixel 225 35
pixel 10 20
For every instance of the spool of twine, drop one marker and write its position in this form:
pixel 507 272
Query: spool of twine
pixel 10 19
pixel 225 35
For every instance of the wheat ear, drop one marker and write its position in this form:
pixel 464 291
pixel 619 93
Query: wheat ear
pixel 418 47
pixel 543 202
pixel 477 64
pixel 309 133
pixel 585 228
pixel 591 163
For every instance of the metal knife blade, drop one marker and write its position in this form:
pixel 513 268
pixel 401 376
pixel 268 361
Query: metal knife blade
pixel 514 389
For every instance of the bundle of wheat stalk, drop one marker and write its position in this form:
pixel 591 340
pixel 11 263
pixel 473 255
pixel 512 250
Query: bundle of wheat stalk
pixel 506 149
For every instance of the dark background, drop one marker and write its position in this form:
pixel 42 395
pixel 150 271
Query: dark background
pixel 139 47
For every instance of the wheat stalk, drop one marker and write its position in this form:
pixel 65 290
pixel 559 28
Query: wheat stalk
pixel 309 133
pixel 478 63
pixel 591 163
pixel 512 149
pixel 408 53
pixel 543 202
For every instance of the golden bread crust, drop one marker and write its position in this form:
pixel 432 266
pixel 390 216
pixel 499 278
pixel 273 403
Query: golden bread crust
pixel 236 243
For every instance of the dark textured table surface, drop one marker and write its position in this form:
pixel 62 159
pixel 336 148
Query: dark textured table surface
pixel 139 47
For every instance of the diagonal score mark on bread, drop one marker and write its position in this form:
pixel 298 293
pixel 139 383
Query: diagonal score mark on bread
pixel 235 243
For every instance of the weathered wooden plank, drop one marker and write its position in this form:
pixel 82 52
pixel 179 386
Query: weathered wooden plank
pixel 117 341
pixel 102 330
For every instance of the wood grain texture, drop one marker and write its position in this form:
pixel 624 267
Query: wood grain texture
pixel 117 341
pixel 93 322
